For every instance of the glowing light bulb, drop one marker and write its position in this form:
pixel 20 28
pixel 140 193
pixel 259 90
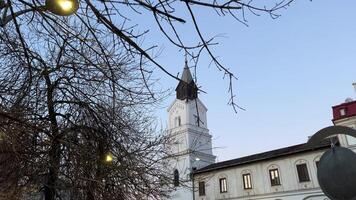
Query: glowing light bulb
pixel 109 158
pixel 62 7
pixel 66 5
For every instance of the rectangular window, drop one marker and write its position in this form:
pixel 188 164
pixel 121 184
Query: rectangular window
pixel 247 181
pixel 303 174
pixel 201 188
pixel 177 121
pixel 176 178
pixel 223 185
pixel 274 176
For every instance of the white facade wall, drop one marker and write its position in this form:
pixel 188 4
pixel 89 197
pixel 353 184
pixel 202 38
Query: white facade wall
pixel 289 189
pixel 190 140
pixel 187 111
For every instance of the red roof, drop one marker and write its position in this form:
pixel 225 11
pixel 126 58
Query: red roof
pixel 344 110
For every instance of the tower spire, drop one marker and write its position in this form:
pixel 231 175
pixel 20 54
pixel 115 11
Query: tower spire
pixel 186 88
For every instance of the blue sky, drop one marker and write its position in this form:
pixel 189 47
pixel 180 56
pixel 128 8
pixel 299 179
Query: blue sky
pixel 291 71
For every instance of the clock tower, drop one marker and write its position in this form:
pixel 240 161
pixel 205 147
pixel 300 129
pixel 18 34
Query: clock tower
pixel 191 146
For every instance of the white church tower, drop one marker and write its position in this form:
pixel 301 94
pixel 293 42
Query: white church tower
pixel 191 142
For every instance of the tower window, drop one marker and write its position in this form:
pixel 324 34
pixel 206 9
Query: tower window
pixel 303 174
pixel 223 185
pixel 274 176
pixel 247 181
pixel 176 178
pixel 177 121
pixel 201 188
pixel 342 111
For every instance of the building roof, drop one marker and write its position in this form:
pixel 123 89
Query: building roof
pixel 186 75
pixel 348 110
pixel 186 88
pixel 291 150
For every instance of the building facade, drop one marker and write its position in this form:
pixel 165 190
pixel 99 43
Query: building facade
pixel 288 173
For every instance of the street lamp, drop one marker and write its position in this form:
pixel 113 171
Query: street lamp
pixel 108 158
pixel 192 175
pixel 62 7
pixel 57 7
pixel 337 166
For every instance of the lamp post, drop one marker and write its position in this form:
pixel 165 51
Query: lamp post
pixel 337 166
pixel 192 176
pixel 57 7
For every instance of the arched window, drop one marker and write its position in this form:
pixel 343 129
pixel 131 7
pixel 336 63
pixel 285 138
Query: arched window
pixel 176 177
pixel 223 185
pixel 302 171
pixel 274 175
pixel 246 179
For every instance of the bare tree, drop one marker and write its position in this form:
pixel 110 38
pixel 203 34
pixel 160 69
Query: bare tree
pixel 116 19
pixel 74 89
pixel 65 107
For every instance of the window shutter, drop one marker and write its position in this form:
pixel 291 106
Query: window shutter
pixel 303 174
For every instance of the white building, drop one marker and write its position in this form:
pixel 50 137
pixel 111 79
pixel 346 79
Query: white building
pixel 288 173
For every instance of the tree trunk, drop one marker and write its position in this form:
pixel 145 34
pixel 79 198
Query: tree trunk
pixel 54 153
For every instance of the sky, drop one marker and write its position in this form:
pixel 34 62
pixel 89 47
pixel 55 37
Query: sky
pixel 290 70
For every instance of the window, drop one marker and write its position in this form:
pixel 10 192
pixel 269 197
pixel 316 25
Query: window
pixel 247 181
pixel 177 121
pixel 201 188
pixel 303 174
pixel 176 178
pixel 274 176
pixel 342 111
pixel 223 185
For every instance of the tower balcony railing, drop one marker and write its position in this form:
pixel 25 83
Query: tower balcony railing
pixel 183 127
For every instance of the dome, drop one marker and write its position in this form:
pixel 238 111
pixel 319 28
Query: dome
pixel 349 99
